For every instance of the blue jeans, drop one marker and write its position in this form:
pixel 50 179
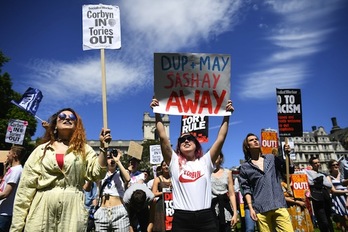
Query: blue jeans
pixel 249 222
pixel 5 223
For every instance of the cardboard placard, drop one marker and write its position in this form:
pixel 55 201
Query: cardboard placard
pixel 135 150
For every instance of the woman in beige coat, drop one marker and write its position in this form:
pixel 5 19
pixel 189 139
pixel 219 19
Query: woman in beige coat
pixel 50 196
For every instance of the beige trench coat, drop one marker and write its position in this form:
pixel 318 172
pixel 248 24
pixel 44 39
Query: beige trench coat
pixel 51 199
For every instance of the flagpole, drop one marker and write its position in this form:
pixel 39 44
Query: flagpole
pixel 38 118
pixel 105 113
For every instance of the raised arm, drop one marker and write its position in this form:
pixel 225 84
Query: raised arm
pixel 219 142
pixel 164 141
pixel 124 172
pixel 104 137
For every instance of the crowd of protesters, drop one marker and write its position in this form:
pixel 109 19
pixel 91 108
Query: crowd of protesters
pixel 66 186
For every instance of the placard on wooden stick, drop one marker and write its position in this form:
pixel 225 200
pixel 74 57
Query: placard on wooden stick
pixel 135 150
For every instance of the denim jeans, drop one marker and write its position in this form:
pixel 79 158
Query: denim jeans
pixel 249 222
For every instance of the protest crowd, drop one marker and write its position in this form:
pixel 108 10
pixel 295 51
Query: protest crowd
pixel 56 191
pixel 65 185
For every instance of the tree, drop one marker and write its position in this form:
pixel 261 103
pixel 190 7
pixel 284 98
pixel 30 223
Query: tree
pixel 10 111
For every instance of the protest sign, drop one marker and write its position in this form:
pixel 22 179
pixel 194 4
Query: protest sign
pixel 292 154
pixel 192 83
pixel 101 27
pixel 299 185
pixel 196 125
pixel 155 154
pixel 135 150
pixel 168 209
pixel 269 141
pixel 16 131
pixel 289 112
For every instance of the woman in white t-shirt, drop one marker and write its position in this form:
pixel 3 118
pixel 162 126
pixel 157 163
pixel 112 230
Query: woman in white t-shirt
pixel 190 173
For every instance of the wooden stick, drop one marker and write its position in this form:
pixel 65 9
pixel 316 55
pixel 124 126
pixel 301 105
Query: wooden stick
pixel 287 163
pixel 105 111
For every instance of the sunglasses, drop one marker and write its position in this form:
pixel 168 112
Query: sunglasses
pixel 334 165
pixel 186 137
pixel 63 116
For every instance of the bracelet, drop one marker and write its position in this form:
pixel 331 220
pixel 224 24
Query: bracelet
pixel 102 149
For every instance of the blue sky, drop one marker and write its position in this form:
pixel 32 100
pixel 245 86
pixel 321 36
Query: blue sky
pixel 273 44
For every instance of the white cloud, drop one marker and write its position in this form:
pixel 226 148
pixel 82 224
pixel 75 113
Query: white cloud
pixel 147 27
pixel 261 84
pixel 173 25
pixel 302 31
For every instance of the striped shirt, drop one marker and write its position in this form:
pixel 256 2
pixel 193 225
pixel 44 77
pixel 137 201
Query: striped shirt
pixel 263 186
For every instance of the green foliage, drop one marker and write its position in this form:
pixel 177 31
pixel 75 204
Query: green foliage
pixel 10 111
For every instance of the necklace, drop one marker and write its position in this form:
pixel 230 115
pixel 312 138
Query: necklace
pixel 59 140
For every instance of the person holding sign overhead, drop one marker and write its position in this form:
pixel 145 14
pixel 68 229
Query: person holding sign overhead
pixel 50 194
pixel 260 184
pixel 190 175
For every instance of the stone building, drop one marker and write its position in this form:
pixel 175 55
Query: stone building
pixel 319 143
pixel 149 133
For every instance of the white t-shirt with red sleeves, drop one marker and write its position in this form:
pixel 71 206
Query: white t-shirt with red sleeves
pixel 12 175
pixel 191 184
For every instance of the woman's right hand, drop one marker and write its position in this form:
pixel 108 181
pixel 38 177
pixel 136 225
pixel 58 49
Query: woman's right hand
pixel 105 136
pixel 253 214
pixel 154 103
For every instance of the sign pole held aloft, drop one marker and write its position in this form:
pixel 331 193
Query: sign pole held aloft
pixel 101 30
pixel 287 164
pixel 105 110
pixel 289 119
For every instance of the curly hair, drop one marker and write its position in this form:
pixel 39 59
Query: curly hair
pixel 78 138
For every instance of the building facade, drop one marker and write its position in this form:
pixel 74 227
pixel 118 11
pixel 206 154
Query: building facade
pixel 149 133
pixel 319 143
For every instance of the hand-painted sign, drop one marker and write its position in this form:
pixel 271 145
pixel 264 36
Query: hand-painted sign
pixel 192 83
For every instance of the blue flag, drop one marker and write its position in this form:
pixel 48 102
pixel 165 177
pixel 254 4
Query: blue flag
pixel 30 100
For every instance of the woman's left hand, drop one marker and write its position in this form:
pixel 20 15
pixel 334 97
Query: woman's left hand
pixel 234 220
pixel 105 136
pixel 229 106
